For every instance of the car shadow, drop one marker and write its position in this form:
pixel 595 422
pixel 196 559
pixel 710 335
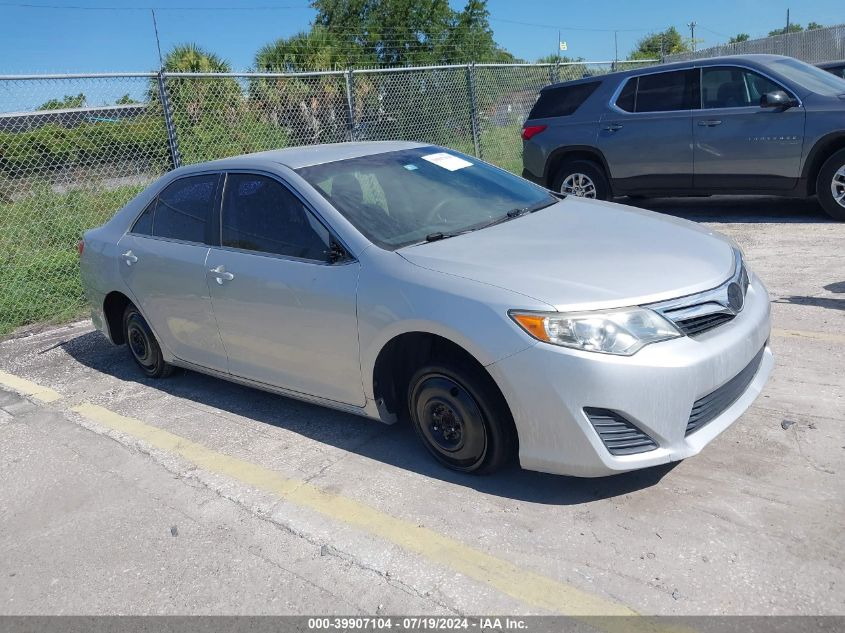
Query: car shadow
pixel 833 303
pixel 736 209
pixel 394 445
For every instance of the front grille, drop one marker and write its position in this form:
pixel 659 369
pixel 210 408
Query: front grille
pixel 618 434
pixel 701 324
pixel 712 405
pixel 704 311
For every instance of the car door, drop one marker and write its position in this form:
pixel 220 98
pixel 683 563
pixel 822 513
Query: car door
pixel 162 262
pixel 646 137
pixel 286 311
pixel 740 145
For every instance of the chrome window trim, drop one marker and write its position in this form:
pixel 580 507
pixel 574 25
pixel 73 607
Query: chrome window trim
pixel 613 97
pixel 351 258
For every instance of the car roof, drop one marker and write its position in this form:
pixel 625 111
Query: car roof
pixel 832 64
pixel 759 59
pixel 306 155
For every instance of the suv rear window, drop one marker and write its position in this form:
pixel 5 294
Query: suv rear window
pixel 661 92
pixel 562 101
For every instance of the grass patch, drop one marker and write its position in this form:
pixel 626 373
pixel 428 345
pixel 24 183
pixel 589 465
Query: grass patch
pixel 39 265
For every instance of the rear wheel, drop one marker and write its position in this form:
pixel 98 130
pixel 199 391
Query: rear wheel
pixel 461 417
pixel 830 186
pixel 583 179
pixel 143 346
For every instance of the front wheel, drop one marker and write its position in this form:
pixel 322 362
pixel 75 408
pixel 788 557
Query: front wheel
pixel 143 346
pixel 582 179
pixel 830 186
pixel 461 418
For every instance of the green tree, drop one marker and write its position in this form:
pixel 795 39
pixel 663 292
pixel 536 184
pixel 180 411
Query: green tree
pixel 811 26
pixel 66 102
pixel 739 37
pixel 668 42
pixel 793 28
pixel 412 32
pixel 125 100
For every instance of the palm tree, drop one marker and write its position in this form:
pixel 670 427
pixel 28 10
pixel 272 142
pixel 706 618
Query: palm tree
pixel 315 103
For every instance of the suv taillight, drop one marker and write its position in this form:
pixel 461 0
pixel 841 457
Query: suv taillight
pixel 531 130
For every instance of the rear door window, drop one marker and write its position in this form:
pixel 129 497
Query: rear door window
pixel 183 210
pixel 562 100
pixel 668 92
pixel 262 215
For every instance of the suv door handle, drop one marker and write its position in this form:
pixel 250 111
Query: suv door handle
pixel 612 127
pixel 129 257
pixel 710 123
pixel 220 274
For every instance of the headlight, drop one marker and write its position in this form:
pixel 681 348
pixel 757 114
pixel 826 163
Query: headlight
pixel 621 331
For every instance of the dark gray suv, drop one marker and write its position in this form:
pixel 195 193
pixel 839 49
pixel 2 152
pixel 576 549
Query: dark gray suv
pixel 749 124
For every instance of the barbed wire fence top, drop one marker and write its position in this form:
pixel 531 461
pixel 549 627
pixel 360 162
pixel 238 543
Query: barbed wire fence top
pixel 76 148
pixel 813 46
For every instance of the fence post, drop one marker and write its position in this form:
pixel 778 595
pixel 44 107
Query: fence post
pixel 350 103
pixel 172 142
pixel 473 109
pixel 555 73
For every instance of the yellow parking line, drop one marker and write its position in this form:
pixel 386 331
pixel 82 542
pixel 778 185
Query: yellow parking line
pixel 819 336
pixel 529 587
pixel 28 388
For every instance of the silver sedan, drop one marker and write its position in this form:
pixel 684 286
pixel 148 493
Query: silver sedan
pixel 399 280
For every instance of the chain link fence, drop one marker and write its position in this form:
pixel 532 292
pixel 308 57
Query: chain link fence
pixel 813 46
pixel 75 148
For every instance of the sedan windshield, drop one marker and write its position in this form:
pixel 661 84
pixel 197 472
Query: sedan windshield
pixel 427 193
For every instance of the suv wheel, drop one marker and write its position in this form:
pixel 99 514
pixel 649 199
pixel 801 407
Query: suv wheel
pixel 830 186
pixel 583 179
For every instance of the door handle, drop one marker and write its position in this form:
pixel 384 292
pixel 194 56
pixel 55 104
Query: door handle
pixel 710 123
pixel 129 257
pixel 612 127
pixel 220 275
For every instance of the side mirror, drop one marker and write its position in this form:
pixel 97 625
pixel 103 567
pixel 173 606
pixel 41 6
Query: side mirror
pixel 777 99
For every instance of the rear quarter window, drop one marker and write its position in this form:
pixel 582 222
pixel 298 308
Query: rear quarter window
pixel 562 100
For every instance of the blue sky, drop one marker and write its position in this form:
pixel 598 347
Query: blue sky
pixel 73 40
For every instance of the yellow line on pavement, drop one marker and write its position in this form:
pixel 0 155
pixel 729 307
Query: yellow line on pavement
pixel 529 587
pixel 28 388
pixel 819 336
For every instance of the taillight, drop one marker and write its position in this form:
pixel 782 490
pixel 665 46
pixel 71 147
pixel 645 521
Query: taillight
pixel 531 130
pixel 80 246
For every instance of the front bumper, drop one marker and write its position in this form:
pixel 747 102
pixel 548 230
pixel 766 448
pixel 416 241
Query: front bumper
pixel 548 387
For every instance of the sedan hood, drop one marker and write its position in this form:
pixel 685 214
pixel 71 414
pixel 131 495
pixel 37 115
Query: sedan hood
pixel 586 254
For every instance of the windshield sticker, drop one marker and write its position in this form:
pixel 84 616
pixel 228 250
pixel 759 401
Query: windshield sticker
pixel 447 161
pixel 410 167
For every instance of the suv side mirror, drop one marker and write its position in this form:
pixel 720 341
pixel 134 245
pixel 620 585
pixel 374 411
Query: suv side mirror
pixel 777 99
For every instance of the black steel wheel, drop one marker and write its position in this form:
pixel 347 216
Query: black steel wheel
pixel 461 418
pixel 143 345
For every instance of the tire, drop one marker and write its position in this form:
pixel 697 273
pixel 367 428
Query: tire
pixel 832 176
pixel 588 169
pixel 143 346
pixel 461 417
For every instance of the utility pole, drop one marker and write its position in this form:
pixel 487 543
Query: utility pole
pixel 787 22
pixel 692 26
pixel 615 50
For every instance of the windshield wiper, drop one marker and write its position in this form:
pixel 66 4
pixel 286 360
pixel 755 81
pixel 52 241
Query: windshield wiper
pixel 515 213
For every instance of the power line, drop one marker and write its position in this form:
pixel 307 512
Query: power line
pixel 76 7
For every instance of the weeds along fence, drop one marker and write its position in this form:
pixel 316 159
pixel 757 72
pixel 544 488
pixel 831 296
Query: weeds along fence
pixel 75 148
pixel 813 46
